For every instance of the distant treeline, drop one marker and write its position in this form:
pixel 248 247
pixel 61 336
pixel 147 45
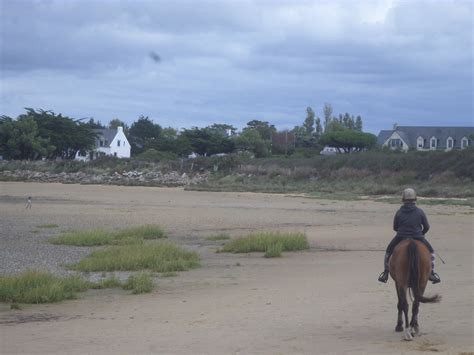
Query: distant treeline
pixel 39 134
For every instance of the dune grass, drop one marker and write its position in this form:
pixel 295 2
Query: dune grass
pixel 273 250
pixel 262 241
pixel 97 237
pixel 40 287
pixel 110 282
pixel 33 286
pixel 139 283
pixel 161 257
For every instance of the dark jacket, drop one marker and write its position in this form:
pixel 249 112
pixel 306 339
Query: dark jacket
pixel 410 221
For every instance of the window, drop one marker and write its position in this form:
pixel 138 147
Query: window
pixel 101 143
pixel 115 154
pixel 464 143
pixel 106 143
pixel 449 143
pixel 396 143
pixel 433 142
pixel 420 142
pixel 118 143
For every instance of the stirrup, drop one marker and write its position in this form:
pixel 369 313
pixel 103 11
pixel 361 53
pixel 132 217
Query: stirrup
pixel 434 278
pixel 383 277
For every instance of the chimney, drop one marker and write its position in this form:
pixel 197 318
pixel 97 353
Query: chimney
pixel 395 126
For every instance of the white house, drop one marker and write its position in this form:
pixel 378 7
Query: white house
pixel 111 142
pixel 424 138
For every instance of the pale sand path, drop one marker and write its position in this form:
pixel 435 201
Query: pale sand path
pixel 311 302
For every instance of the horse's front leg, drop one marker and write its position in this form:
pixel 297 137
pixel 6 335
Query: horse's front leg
pixel 399 327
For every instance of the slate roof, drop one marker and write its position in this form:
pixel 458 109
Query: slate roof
pixel 410 133
pixel 107 133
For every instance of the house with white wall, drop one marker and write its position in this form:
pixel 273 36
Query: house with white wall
pixel 425 138
pixel 111 142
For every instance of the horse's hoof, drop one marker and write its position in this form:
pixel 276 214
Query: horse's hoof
pixel 399 328
pixel 407 334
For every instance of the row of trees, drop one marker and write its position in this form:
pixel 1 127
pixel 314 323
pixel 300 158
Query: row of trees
pixel 38 134
pixel 44 134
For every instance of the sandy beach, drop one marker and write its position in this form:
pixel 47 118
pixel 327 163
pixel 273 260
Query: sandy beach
pixel 324 300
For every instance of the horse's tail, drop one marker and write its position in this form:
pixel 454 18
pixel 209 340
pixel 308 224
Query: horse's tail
pixel 414 278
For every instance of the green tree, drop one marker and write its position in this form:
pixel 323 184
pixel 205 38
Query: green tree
pixel 251 140
pixel 309 121
pixel 20 139
pixel 263 128
pixel 223 129
pixel 144 134
pixel 348 140
pixel 92 124
pixel 319 128
pixel 114 123
pixel 68 136
pixel 205 141
pixel 327 115
pixel 358 124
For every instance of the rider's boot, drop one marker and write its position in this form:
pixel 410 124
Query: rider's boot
pixel 434 277
pixel 384 275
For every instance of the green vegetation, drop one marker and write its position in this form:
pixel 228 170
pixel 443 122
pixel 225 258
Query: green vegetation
pixel 161 257
pixel 265 241
pixel 47 226
pixel 110 282
pixel 43 287
pixel 139 283
pixel 274 250
pixel 349 176
pixel 217 237
pixel 39 287
pixel 135 235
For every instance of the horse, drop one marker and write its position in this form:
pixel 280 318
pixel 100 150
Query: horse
pixel 410 267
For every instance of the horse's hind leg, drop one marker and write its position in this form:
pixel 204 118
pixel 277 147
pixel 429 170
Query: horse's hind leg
pixel 414 319
pixel 403 307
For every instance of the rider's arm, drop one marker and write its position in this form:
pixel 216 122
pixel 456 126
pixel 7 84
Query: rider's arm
pixel 396 222
pixel 424 223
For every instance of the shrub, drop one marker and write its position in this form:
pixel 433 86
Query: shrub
pixel 162 257
pixel 134 235
pixel 274 250
pixel 260 242
pixel 140 283
pixel 39 287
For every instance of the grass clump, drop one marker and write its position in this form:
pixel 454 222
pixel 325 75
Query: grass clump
pixel 47 226
pixel 139 283
pixel 142 232
pixel 84 238
pixel 39 287
pixel 163 257
pixel 221 236
pixel 110 282
pixel 274 250
pixel 97 237
pixel 261 242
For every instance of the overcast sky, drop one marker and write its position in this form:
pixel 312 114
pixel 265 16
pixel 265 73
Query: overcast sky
pixel 405 62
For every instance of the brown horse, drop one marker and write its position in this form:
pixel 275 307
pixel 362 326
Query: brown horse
pixel 410 267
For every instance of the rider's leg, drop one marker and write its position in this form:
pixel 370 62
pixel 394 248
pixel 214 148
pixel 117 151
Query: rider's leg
pixel 434 277
pixel 384 275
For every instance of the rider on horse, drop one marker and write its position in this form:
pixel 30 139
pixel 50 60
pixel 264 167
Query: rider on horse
pixel 409 222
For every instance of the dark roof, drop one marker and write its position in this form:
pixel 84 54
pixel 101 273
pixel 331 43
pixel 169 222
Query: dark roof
pixel 107 133
pixel 410 133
